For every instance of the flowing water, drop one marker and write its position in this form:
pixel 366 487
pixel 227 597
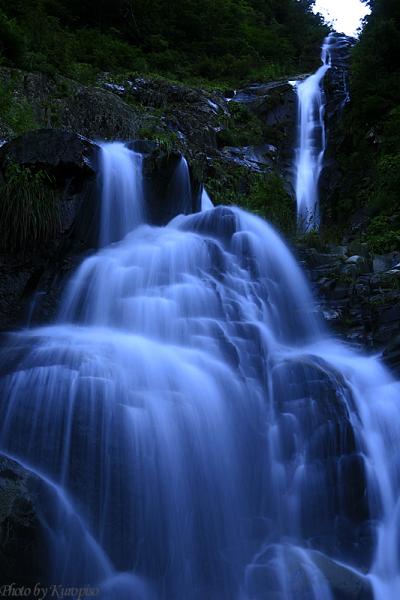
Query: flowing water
pixel 311 143
pixel 197 431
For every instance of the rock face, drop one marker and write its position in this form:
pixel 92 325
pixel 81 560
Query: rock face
pixel 171 185
pixel 20 537
pixel 337 93
pixel 57 102
pixel 70 163
pixel 275 103
pixel 338 523
pixel 192 114
pixel 359 296
pixel 345 584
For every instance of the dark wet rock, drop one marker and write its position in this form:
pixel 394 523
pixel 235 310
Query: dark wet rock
pixel 336 88
pixel 385 262
pixel 58 102
pixel 336 80
pixel 259 158
pixel 358 298
pixel 194 115
pixel 275 103
pixel 316 259
pixel 392 354
pixel 51 148
pixel 263 582
pixel 172 186
pixel 20 537
pixel 313 402
pixel 345 583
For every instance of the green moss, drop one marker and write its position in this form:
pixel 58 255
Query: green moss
pixel 241 128
pixel 28 209
pixel 166 139
pixel 15 111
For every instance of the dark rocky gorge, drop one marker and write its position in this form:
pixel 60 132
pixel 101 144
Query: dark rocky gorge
pixel 315 463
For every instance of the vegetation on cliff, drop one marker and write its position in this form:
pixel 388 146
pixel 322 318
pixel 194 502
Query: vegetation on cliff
pixel 370 153
pixel 212 40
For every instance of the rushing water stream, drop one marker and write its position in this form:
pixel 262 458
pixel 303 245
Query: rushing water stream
pixel 198 433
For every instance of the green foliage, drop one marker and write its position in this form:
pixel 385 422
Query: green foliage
pixel 16 112
pixel 269 199
pixel 383 235
pixel 370 153
pixel 385 195
pixel 11 40
pixel 28 209
pixel 215 40
pixel 261 193
pixel 243 128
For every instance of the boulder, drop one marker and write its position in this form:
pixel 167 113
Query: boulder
pixel 20 537
pixel 385 262
pixel 345 583
pixel 391 354
pixel 50 148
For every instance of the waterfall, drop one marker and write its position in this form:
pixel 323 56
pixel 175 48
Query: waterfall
pixel 207 434
pixel 206 203
pixel 311 141
pixel 121 180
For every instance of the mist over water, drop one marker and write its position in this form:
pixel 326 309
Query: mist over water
pixel 198 432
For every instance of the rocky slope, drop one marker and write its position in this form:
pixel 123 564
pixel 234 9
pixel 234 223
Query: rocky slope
pixel 63 118
pixel 359 296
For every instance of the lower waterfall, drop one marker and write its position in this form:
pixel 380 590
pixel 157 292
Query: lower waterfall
pixel 197 431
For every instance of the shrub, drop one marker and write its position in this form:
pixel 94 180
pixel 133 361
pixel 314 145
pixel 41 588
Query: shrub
pixel 11 41
pixel 385 194
pixel 383 235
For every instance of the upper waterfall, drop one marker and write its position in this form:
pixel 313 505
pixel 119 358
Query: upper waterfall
pixel 311 132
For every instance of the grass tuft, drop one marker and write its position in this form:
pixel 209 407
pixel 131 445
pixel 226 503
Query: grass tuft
pixel 28 209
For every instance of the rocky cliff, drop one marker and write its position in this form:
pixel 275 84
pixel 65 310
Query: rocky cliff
pixel 239 142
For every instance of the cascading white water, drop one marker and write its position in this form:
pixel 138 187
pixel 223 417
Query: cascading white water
pixel 311 142
pixel 206 203
pixel 120 182
pixel 211 438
